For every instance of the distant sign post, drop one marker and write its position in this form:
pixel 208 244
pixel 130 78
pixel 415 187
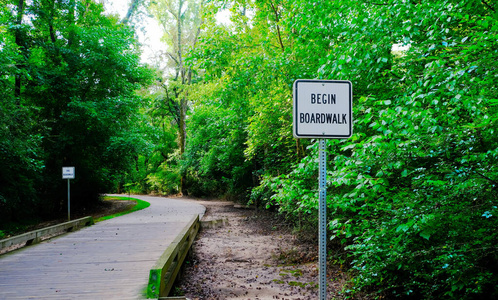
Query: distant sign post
pixel 68 173
pixel 323 109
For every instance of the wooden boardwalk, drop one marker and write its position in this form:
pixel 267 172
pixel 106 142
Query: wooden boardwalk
pixel 109 260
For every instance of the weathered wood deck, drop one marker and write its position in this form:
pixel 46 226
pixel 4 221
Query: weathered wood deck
pixel 109 260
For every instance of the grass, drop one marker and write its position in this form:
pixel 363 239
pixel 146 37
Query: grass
pixel 140 204
pixel 19 227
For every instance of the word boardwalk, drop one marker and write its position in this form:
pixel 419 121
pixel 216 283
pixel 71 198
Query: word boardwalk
pixel 323 118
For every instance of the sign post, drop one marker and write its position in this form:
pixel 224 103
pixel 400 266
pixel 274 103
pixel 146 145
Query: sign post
pixel 322 220
pixel 322 110
pixel 68 173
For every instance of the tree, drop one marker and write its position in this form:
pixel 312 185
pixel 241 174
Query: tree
pixel 411 194
pixel 73 79
pixel 181 21
pixel 252 65
pixel 19 146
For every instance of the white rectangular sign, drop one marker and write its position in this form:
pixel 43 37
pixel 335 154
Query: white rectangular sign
pixel 323 109
pixel 68 173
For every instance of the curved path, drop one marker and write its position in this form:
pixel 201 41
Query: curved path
pixel 109 260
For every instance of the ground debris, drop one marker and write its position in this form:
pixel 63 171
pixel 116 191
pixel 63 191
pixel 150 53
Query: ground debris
pixel 253 256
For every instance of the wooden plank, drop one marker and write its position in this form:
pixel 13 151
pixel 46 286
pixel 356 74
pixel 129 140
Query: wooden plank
pixel 110 260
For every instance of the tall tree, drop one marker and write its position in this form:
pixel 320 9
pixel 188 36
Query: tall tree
pixel 19 40
pixel 249 66
pixel 20 151
pixel 181 22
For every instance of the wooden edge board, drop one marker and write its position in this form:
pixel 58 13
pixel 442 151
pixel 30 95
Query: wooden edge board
pixel 163 274
pixel 35 236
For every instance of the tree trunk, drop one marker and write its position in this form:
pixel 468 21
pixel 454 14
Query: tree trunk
pixel 20 43
pixel 133 7
pixel 72 21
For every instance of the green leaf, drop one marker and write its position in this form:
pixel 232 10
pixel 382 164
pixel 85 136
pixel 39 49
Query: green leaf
pixel 425 234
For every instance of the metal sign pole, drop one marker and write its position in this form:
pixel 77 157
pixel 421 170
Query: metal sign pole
pixel 322 218
pixel 68 201
pixel 68 173
pixel 323 109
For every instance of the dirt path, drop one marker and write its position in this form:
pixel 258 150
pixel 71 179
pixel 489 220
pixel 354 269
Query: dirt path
pixel 253 257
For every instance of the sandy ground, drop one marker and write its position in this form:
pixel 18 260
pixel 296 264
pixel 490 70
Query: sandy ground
pixel 254 256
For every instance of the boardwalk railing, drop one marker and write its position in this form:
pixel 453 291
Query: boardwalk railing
pixel 162 276
pixel 37 236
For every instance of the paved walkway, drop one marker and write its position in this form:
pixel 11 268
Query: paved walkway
pixel 109 260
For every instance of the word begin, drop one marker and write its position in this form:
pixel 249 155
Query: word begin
pixel 323 98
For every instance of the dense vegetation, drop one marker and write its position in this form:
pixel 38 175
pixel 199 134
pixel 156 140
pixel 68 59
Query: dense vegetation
pixel 68 80
pixel 412 195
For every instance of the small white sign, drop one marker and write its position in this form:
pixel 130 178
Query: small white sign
pixel 323 109
pixel 68 173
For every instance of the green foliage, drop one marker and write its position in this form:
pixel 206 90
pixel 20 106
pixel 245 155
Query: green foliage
pixel 165 180
pixel 247 75
pixel 412 194
pixel 20 149
pixel 214 158
pixel 68 79
pixel 91 113
pixel 19 156
pixel 155 167
pixel 296 192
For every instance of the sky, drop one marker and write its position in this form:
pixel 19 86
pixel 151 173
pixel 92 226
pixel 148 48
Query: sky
pixel 150 39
